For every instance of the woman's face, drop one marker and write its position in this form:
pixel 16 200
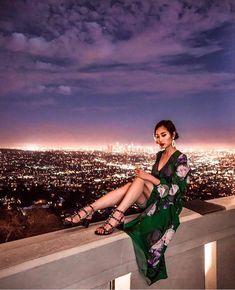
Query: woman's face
pixel 163 137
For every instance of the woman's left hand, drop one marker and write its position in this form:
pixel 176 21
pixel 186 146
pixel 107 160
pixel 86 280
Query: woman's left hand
pixel 141 174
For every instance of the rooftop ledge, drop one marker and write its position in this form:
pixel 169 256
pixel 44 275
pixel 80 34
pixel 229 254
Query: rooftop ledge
pixel 76 258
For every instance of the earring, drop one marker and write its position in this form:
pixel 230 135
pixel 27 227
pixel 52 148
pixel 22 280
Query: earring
pixel 173 143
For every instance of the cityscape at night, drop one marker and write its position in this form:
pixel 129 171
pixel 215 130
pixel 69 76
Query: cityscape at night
pixel 59 181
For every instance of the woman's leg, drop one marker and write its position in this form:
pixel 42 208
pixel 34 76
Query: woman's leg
pixel 143 198
pixel 110 199
pixel 137 188
pixel 139 191
pixel 116 196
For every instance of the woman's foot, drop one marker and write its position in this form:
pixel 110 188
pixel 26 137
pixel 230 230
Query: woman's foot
pixel 83 215
pixel 115 220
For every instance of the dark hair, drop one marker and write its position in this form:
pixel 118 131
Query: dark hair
pixel 168 124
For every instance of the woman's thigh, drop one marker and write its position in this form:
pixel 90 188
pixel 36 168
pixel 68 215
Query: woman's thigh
pixel 143 198
pixel 148 188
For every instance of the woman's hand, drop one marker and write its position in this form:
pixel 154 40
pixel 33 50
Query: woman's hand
pixel 141 174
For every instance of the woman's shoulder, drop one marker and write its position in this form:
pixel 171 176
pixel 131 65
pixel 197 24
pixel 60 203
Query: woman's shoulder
pixel 181 157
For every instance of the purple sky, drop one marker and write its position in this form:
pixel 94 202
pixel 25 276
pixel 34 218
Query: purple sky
pixel 78 72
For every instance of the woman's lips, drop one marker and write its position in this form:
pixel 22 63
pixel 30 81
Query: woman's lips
pixel 161 144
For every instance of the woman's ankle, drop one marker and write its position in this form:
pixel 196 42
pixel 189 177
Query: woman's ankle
pixel 121 210
pixel 92 207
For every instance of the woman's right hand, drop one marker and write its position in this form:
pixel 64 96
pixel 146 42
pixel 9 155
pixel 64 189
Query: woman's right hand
pixel 137 170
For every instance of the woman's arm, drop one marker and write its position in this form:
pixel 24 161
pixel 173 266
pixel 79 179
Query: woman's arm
pixel 146 176
pixel 173 184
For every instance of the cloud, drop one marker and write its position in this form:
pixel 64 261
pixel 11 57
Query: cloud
pixel 99 109
pixel 19 42
pixel 64 90
pixel 129 42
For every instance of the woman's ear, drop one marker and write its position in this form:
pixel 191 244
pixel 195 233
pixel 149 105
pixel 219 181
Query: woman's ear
pixel 173 135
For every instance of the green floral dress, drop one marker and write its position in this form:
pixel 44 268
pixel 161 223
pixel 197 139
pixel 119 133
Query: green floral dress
pixel 153 229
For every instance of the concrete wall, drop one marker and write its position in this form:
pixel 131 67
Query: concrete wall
pixel 77 259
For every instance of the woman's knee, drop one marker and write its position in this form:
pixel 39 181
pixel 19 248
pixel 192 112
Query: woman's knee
pixel 141 201
pixel 138 179
pixel 128 184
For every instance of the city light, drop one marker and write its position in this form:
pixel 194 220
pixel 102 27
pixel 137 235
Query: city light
pixel 62 179
pixel 32 147
pixel 124 147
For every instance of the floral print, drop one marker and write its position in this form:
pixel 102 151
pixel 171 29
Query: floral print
pixel 182 159
pixel 154 228
pixel 168 236
pixel 163 190
pixel 174 188
pixel 156 248
pixel 151 210
pixel 182 170
pixel 155 254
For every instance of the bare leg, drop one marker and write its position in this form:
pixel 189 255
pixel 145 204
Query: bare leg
pixel 142 199
pixel 110 199
pixel 135 190
pixel 133 194
pixel 116 196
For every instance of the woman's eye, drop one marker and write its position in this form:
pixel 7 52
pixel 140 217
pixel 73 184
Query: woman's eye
pixel 164 135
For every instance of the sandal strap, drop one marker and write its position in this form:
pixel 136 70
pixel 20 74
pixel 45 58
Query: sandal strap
pixel 119 211
pixel 86 212
pixel 89 205
pixel 92 209
pixel 112 227
pixel 74 215
pixel 107 222
pixel 121 217
pixel 113 217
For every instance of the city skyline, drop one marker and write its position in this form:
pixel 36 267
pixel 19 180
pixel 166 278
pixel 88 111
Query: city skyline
pixel 100 146
pixel 91 73
pixel 40 188
pixel 124 148
pixel 211 173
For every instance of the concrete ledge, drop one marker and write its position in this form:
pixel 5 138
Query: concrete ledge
pixel 65 241
pixel 228 202
pixel 203 207
pixel 76 258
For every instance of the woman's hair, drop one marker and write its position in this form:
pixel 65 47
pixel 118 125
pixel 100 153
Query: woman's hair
pixel 168 124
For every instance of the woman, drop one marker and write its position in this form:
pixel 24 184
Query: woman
pixel 158 194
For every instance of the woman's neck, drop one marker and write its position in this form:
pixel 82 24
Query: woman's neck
pixel 169 150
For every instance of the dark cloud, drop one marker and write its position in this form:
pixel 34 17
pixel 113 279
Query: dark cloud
pixel 88 51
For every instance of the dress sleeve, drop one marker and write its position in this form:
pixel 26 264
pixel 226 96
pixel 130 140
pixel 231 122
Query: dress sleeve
pixel 177 182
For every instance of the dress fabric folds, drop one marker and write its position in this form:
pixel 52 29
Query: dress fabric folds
pixel 154 228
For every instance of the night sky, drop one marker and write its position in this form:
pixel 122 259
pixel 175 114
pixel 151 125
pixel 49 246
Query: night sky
pixel 76 73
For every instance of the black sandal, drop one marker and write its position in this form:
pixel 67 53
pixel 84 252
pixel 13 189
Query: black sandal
pixel 112 228
pixel 85 221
